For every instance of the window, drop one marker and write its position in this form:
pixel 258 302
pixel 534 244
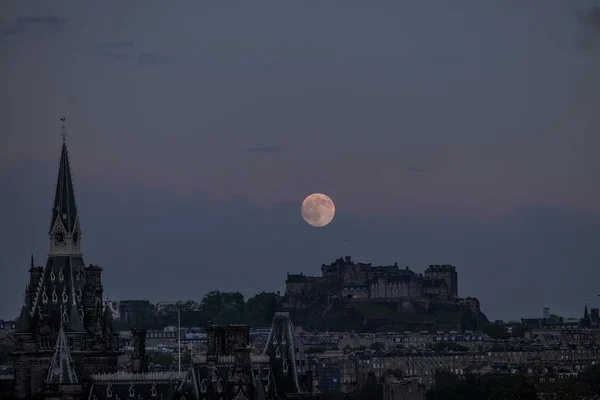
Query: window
pixel 45 342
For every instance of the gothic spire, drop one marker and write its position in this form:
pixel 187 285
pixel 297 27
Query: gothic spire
pixel 107 316
pixel 64 207
pixel 61 369
pixel 24 321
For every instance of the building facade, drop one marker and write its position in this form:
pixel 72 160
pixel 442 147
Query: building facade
pixel 63 334
pixel 360 281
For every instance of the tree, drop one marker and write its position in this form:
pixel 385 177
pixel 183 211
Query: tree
pixel 223 307
pixel 376 346
pixel 212 303
pixel 591 377
pixel 261 308
pixel 519 330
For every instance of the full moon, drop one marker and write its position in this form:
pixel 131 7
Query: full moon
pixel 318 210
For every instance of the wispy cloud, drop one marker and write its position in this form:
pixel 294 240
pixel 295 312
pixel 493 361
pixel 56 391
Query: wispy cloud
pixel 417 169
pixel 117 44
pixel 115 55
pixel 126 50
pixel 270 149
pixel 119 50
pixel 34 25
pixel 152 60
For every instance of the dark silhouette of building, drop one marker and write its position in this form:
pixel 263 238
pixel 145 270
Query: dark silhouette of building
pixel 66 347
pixel 287 358
pixel 62 335
pixel 138 358
pixel 585 321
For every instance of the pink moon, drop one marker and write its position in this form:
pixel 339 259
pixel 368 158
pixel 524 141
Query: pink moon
pixel 318 210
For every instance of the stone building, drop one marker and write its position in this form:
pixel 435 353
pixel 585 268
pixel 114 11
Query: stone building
pixel 63 311
pixel 139 383
pixel 361 281
pixel 66 347
pixel 448 274
pixel 7 328
pixel 288 361
pixel 226 371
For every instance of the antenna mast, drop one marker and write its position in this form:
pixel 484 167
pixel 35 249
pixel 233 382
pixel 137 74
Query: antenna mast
pixel 64 129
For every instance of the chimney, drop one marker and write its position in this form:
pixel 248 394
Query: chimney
pixel 138 358
pixel 348 259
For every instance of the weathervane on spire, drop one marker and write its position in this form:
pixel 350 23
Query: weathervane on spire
pixel 64 129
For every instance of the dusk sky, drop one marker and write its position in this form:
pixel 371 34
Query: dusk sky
pixel 460 132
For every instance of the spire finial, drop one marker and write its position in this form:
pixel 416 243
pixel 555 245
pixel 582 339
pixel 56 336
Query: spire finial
pixel 64 129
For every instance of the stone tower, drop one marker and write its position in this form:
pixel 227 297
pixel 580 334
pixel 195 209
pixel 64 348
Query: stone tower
pixel 138 358
pixel 446 272
pixel 64 296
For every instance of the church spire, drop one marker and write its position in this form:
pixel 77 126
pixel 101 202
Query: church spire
pixel 61 369
pixel 64 199
pixel 64 227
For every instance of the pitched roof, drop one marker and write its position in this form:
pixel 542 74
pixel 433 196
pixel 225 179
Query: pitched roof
pixel 59 298
pixel 62 370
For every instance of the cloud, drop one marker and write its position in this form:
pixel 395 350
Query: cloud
pixel 153 60
pixel 124 50
pixel 117 44
pixel 417 169
pixel 34 25
pixel 117 50
pixel 269 149
pixel 115 55
pixel 589 16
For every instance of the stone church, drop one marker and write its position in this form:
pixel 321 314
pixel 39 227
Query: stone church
pixel 63 335
pixel 65 346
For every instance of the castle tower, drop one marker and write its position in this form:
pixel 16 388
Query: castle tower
pixel 227 339
pixel 55 301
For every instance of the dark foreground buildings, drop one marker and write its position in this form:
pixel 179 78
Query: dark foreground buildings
pixel 66 348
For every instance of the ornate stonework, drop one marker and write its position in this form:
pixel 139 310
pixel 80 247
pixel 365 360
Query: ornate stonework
pixel 61 336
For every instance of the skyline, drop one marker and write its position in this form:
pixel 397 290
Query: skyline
pixel 198 131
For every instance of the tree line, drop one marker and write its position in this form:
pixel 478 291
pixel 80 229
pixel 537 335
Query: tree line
pixel 216 307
